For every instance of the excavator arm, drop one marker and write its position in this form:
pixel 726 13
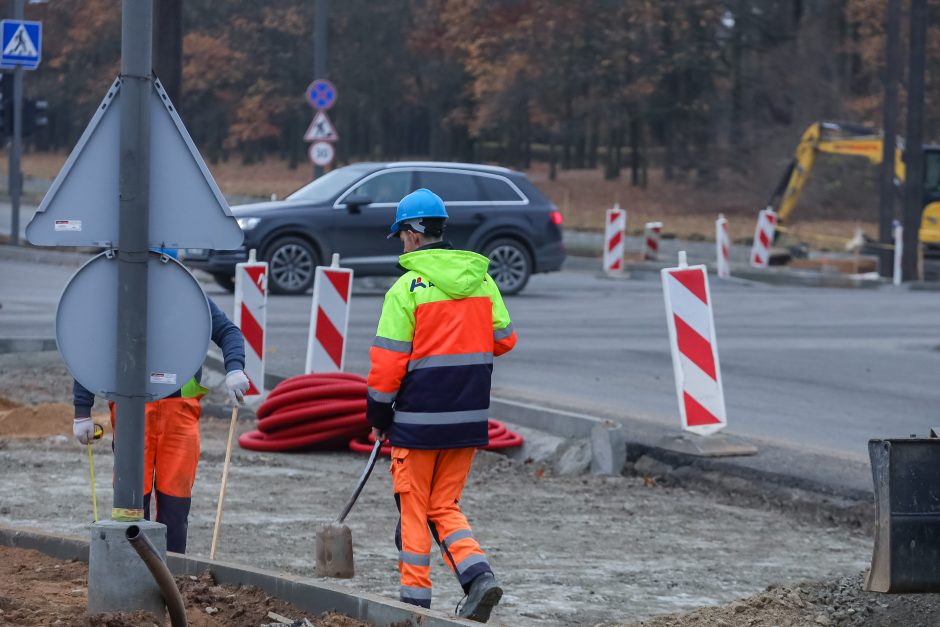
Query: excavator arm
pixel 830 138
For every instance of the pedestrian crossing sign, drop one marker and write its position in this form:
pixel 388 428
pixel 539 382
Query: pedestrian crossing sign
pixel 21 43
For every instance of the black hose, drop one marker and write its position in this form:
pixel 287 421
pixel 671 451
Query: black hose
pixel 161 574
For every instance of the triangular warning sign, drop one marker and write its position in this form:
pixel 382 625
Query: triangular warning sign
pixel 187 210
pixel 321 129
pixel 21 44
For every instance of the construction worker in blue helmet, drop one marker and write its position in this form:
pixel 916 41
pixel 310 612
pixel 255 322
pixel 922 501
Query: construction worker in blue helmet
pixel 442 323
pixel 171 448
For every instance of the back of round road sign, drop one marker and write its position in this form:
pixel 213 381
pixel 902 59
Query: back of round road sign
pixel 179 326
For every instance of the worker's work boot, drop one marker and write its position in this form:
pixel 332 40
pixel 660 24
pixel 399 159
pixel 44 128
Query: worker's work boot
pixel 482 597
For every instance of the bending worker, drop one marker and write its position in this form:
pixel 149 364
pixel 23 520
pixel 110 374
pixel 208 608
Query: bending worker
pixel 171 444
pixel 429 392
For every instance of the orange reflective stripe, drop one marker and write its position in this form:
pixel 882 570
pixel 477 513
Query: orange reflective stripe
pixel 450 327
pixel 388 368
pixel 504 345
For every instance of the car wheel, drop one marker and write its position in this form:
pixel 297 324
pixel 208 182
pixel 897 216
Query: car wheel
pixel 510 264
pixel 225 281
pixel 291 265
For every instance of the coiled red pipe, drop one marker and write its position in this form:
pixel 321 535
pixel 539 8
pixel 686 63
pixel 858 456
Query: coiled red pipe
pixel 327 412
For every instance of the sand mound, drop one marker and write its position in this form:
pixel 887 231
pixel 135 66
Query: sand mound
pixel 39 421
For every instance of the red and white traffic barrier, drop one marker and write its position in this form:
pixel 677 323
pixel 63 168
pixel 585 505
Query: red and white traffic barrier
pixel 329 318
pixel 763 238
pixel 614 232
pixel 898 251
pixel 694 349
pixel 651 234
pixel 722 247
pixel 251 301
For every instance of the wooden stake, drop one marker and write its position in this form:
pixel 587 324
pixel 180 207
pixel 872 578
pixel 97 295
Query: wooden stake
pixel 228 458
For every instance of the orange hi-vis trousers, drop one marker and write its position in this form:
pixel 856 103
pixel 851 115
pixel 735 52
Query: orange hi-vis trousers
pixel 428 484
pixel 171 453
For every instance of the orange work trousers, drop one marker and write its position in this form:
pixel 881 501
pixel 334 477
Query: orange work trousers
pixel 171 453
pixel 428 485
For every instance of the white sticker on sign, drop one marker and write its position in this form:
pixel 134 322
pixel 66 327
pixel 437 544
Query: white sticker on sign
pixel 68 225
pixel 168 378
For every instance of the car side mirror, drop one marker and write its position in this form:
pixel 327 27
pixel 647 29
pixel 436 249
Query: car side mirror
pixel 355 202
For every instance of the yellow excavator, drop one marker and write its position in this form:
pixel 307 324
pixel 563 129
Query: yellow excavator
pixel 860 141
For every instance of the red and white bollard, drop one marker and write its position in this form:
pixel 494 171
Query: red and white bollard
pixel 722 247
pixel 651 234
pixel 694 349
pixel 329 318
pixel 898 251
pixel 251 301
pixel 614 232
pixel 763 238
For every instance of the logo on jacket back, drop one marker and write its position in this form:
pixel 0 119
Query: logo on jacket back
pixel 416 283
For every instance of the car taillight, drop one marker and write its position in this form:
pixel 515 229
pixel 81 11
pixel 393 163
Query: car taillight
pixel 556 217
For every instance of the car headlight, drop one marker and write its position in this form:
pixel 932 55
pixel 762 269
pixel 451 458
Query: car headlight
pixel 246 224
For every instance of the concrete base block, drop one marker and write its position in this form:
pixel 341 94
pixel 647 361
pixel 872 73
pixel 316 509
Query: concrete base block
pixel 608 448
pixel 118 580
pixel 717 445
pixel 574 458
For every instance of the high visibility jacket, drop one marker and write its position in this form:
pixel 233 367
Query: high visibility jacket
pixel 442 322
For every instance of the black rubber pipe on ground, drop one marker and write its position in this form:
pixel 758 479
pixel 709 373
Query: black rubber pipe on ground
pixel 161 574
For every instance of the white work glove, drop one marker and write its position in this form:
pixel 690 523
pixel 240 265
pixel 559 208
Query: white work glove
pixel 83 429
pixel 237 384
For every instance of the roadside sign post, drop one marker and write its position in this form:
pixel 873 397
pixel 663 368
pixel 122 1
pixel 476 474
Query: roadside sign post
pixel 321 95
pixel 20 48
pixel 133 183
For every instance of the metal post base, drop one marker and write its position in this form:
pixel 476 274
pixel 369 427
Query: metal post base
pixel 118 580
pixel 717 445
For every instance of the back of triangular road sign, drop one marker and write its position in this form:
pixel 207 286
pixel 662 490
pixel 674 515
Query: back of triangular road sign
pixel 187 210
pixel 321 129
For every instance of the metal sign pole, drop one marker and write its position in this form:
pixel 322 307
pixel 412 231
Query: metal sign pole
pixel 913 146
pixel 133 235
pixel 319 54
pixel 16 147
pixel 887 189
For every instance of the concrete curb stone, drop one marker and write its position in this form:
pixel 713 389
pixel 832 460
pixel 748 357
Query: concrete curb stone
pixel 307 594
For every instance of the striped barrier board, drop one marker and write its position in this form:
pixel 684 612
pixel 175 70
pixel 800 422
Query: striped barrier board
pixel 694 349
pixel 329 319
pixel 614 231
pixel 251 299
pixel 651 234
pixel 763 238
pixel 722 248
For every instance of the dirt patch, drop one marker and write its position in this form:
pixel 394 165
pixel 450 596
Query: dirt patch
pixel 840 602
pixel 39 421
pixel 39 590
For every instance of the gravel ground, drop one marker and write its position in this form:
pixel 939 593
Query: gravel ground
pixel 568 550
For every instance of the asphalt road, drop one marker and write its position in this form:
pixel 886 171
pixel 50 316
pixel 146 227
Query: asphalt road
pixel 823 369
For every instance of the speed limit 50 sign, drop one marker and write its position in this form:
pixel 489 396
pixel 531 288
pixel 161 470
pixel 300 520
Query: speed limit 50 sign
pixel 321 153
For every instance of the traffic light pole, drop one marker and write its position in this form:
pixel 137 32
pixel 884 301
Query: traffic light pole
pixel 319 54
pixel 16 145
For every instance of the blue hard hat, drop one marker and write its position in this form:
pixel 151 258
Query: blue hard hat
pixel 421 203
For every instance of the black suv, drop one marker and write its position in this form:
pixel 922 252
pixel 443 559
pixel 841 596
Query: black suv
pixel 494 211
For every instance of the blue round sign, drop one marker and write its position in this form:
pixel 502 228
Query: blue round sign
pixel 321 94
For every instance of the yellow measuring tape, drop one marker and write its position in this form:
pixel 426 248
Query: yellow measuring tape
pixel 91 469
pixel 97 433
